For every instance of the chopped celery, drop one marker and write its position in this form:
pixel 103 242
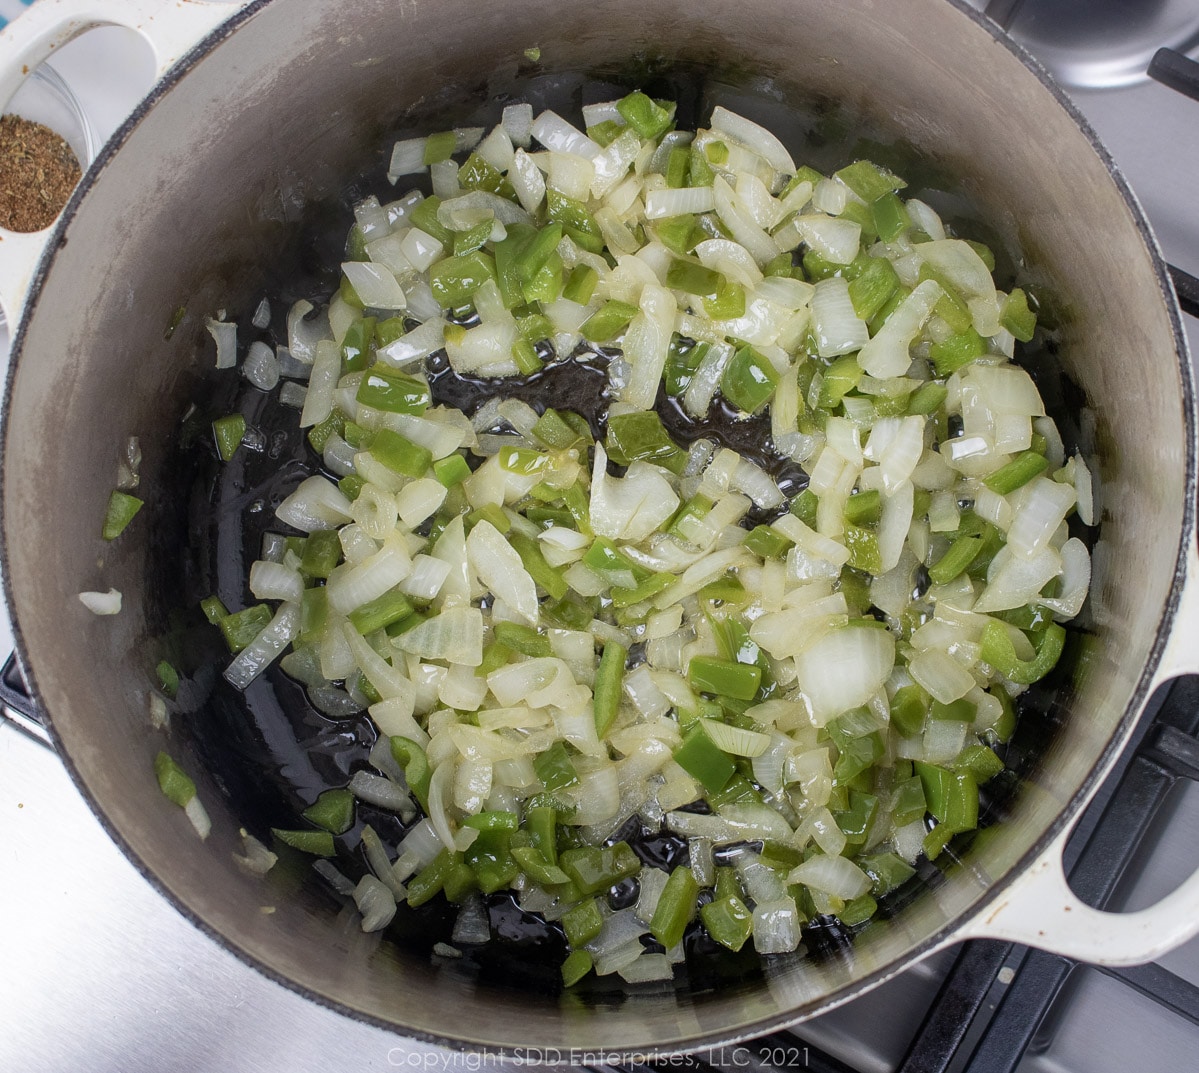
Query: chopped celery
pixel 451 470
pixel 1017 473
pixel 1016 316
pixel 523 639
pixel 229 431
pixel 606 323
pixel 322 553
pixel 381 612
pixel 214 609
pixel 243 626
pixel 168 678
pixel 693 278
pixel 173 781
pixel 333 810
pixel 395 392
pixel 439 147
pixel 648 118
pixel 454 280
pixel 400 454
pixel 641 437
pixel 118 514
pixel 927 399
pixel 869 181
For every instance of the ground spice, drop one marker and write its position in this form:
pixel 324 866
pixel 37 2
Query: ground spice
pixel 38 171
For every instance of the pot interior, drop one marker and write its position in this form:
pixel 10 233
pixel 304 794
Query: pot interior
pixel 210 201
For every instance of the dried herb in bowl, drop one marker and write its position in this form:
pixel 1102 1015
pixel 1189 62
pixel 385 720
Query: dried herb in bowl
pixel 38 171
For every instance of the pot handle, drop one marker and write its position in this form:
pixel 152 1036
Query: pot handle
pixel 172 28
pixel 1039 909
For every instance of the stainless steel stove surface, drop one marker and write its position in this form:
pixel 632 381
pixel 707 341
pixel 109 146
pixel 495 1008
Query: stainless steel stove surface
pixel 98 972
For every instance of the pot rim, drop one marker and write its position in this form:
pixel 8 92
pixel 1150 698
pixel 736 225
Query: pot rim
pixel 945 935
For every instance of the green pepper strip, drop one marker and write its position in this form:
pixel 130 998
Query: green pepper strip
pixel 1000 653
pixel 318 843
pixel 608 679
pixel 430 879
pixel 417 773
pixel 724 677
pixel 675 908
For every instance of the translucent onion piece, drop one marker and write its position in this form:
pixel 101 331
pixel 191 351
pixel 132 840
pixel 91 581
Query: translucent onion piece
pixel 501 571
pixel 350 587
pixel 754 137
pixel 839 330
pixel 843 669
pixel 261 367
pixel 252 660
pixel 835 876
pixel 224 333
pixel 375 902
pixel 102 603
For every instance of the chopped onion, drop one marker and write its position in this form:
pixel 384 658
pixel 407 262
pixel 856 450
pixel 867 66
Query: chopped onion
pixel 224 333
pixel 252 660
pixel 102 603
pixel 375 902
pixel 261 367
pixel 835 876
pixel 839 330
pixel 754 137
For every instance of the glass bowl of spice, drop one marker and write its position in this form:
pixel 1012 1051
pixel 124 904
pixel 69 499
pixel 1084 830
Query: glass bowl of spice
pixel 46 142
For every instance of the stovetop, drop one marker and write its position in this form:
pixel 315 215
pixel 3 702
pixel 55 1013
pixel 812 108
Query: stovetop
pixel 101 973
